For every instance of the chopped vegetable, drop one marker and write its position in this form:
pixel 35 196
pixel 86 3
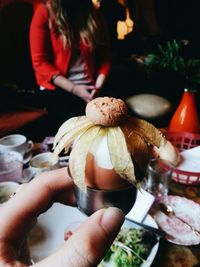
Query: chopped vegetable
pixel 131 248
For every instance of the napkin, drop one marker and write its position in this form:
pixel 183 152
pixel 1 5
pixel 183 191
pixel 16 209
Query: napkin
pixel 190 160
pixel 142 205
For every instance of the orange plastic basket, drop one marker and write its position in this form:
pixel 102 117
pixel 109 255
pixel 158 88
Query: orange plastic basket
pixel 183 141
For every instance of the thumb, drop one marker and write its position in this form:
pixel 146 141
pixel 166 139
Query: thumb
pixel 90 242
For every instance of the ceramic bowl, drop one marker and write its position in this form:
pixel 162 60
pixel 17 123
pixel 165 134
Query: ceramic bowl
pixel 6 190
pixel 11 166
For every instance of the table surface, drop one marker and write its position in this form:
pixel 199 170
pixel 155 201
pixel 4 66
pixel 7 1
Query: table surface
pixel 171 255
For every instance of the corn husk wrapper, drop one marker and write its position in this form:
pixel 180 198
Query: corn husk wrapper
pixel 78 155
pixel 77 129
pixel 145 129
pixel 70 125
pixel 120 156
pixel 131 142
pixel 138 147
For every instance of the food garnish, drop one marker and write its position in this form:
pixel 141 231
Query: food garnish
pixel 130 249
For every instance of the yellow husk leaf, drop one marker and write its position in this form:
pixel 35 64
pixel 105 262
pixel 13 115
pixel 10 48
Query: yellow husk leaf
pixel 137 146
pixel 120 156
pixel 147 130
pixel 77 160
pixel 67 139
pixel 68 126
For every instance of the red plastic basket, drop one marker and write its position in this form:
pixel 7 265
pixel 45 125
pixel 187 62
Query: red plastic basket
pixel 183 141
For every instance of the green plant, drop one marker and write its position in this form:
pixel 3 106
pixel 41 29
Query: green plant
pixel 168 56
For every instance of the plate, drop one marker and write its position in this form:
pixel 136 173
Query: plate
pixel 151 222
pixel 177 231
pixel 48 234
pixel 6 190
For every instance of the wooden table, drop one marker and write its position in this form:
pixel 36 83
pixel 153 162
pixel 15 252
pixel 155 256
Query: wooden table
pixel 171 255
pixel 12 121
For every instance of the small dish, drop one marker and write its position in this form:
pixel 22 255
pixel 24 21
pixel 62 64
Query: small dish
pixel 6 190
pixel 44 162
pixel 176 230
pixel 147 263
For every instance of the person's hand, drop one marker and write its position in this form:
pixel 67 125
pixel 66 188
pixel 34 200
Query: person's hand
pixel 86 247
pixel 98 85
pixel 83 91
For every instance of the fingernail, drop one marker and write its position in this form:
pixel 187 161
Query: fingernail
pixel 112 219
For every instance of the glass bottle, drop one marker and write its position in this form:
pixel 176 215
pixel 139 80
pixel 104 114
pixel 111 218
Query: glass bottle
pixel 185 118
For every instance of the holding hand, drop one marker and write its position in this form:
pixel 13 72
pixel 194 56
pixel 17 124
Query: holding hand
pixel 98 86
pixel 85 248
pixel 83 91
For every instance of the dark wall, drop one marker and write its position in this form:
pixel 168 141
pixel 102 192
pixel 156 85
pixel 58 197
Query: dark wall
pixel 15 62
pixel 180 19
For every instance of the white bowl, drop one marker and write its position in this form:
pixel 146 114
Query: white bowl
pixel 43 162
pixel 6 190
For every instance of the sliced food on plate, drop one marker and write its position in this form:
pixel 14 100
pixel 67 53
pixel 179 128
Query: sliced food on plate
pixel 183 225
pixel 131 248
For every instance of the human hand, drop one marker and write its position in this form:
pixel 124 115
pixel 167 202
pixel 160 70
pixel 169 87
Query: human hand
pixel 98 85
pixel 100 81
pixel 83 91
pixel 85 248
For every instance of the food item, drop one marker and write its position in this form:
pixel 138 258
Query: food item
pixel 130 248
pixel 181 256
pixel 7 189
pixel 177 231
pixel 110 149
pixel 106 111
pixel 45 164
pixel 4 196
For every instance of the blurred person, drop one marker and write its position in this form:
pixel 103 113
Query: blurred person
pixel 70 55
pixel 85 248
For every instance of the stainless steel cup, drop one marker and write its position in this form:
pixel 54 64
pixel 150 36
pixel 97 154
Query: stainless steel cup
pixel 93 199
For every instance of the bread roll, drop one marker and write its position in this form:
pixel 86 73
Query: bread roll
pixel 106 111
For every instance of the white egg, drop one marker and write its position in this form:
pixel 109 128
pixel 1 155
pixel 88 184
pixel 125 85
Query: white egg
pixel 99 172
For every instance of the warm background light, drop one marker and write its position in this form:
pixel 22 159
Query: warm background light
pixel 125 27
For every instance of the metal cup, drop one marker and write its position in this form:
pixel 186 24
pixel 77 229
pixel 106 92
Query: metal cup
pixel 92 200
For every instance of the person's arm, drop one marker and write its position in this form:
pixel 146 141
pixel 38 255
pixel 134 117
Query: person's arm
pixel 80 90
pixel 40 48
pixel 100 80
pixel 47 74
pixel 86 247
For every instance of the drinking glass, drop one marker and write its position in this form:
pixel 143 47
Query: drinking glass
pixel 158 176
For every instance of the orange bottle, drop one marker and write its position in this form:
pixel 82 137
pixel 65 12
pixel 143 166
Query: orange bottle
pixel 185 118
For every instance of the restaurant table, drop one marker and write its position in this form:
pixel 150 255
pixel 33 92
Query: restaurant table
pixel 169 254
pixel 172 255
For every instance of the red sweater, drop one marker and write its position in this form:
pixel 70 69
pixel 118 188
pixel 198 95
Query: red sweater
pixel 49 57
